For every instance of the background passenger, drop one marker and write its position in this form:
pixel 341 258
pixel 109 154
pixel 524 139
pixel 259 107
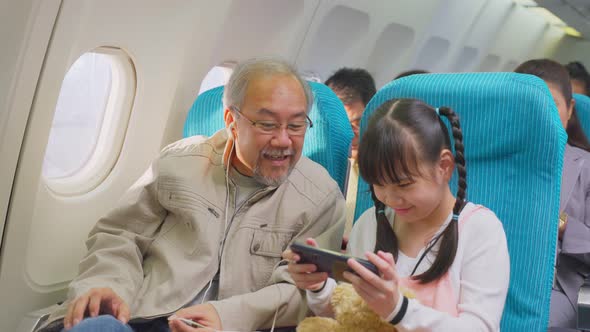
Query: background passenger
pixel 205 226
pixel 573 251
pixel 450 254
pixel 579 77
pixel 355 87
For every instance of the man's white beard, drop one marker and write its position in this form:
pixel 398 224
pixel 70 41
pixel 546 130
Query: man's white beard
pixel 268 181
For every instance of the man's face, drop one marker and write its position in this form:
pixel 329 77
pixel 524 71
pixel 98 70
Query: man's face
pixel 355 110
pixel 269 157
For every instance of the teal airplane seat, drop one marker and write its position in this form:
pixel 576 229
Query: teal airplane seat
pixel 514 144
pixel 327 143
pixel 583 110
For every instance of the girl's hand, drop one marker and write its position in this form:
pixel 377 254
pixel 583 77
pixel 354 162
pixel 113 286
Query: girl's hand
pixel 304 275
pixel 380 292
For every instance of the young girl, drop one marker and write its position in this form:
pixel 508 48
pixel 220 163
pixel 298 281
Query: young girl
pixel 573 259
pixel 449 256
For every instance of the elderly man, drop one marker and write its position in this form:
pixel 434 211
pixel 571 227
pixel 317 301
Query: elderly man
pixel 204 228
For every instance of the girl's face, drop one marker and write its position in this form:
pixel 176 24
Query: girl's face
pixel 423 196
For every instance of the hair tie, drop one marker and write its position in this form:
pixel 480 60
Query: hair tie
pixel 455 217
pixel 380 211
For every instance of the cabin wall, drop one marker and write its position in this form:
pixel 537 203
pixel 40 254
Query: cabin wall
pixel 573 49
pixel 13 30
pixel 24 35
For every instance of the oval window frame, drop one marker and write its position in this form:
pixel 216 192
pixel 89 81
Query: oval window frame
pixel 112 132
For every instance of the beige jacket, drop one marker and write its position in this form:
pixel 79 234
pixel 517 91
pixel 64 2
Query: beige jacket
pixel 160 246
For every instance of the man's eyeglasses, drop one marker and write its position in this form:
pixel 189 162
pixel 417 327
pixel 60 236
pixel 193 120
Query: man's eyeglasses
pixel 295 128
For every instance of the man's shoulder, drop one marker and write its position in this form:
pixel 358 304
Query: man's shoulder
pixel 312 180
pixel 196 146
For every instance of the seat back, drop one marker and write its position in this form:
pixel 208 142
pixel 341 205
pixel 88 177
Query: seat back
pixel 583 110
pixel 205 117
pixel 514 145
pixel 327 143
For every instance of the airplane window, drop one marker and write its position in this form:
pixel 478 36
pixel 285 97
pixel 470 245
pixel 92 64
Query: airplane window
pixel 78 116
pixel 90 120
pixel 217 76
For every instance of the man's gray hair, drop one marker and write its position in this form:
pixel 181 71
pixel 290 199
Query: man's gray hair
pixel 235 89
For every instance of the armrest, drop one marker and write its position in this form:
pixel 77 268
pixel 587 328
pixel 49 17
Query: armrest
pixel 32 320
pixel 584 307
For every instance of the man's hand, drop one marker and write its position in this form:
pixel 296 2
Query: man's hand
pixel 204 314
pixel 305 275
pixel 96 301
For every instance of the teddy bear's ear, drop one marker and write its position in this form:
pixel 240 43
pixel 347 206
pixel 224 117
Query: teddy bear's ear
pixel 314 324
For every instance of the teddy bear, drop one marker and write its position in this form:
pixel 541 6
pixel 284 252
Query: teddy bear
pixel 351 312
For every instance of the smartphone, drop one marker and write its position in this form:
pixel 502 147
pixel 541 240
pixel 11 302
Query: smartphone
pixel 332 262
pixel 192 323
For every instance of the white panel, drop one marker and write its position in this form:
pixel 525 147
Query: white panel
pixel 490 63
pixel 404 12
pixel 466 60
pixel 484 32
pixel 260 27
pixel 453 18
pixel 25 32
pixel 336 40
pixel 452 21
pixel 510 65
pixel 551 43
pixel 512 42
pixel 433 55
pixel 13 30
pixel 393 43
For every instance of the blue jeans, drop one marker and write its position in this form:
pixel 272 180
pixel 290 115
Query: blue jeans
pixel 108 323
